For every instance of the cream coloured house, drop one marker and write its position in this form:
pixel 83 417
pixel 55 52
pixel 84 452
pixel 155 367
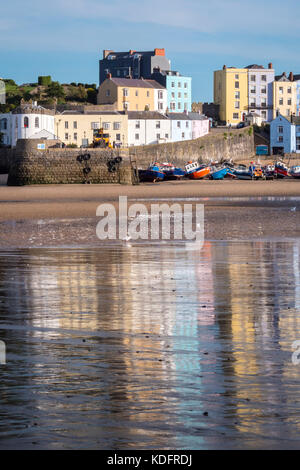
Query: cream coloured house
pixel 74 127
pixel 284 96
pixel 127 94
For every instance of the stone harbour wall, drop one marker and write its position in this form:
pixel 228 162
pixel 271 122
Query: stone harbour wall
pixel 62 166
pixel 235 144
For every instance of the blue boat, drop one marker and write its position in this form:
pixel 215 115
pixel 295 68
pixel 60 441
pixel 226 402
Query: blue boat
pixel 152 174
pixel 218 173
pixel 171 172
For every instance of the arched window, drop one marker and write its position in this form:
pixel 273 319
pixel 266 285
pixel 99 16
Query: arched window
pixel 37 122
pixel 26 121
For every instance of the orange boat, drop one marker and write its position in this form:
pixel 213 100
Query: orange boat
pixel 196 172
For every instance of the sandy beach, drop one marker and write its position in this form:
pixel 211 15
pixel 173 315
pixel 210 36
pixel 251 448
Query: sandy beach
pixel 66 214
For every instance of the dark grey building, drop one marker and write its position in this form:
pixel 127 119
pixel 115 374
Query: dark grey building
pixel 134 64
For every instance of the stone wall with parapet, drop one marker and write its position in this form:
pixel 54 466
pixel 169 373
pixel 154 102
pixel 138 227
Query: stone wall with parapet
pixel 30 165
pixel 235 144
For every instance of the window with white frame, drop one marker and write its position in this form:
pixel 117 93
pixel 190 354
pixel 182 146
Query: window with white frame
pixel 235 115
pixel 187 124
pixel 157 124
pixel 95 125
pixel 137 124
pixel 281 101
pixel 37 122
pixel 117 126
pixel 289 102
pixel 158 136
pixel 237 105
pixel 173 106
pixel 107 93
pixel 264 78
pixel 297 143
pixel 280 129
pixel 252 78
pixel 183 135
pixel 236 76
pixel 237 95
pixel 280 89
pixel 137 136
pixel 237 85
pixel 179 105
pixel 253 89
pixel 106 125
pixel 280 138
pixel 263 90
pixel 178 124
pixel 75 135
pixel 185 85
pixel 125 92
pixel 179 84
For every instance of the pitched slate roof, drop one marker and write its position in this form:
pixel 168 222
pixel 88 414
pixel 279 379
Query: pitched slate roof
pixel 146 115
pixel 136 83
pixel 178 116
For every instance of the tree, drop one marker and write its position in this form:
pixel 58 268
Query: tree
pixel 55 90
pixel 92 95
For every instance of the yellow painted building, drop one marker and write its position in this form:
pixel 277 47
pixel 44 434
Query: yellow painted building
pixel 129 94
pixel 284 96
pixel 79 128
pixel 231 94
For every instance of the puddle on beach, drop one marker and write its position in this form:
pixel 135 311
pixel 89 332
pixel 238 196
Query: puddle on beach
pixel 151 347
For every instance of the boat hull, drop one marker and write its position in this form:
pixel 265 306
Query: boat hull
pixel 219 174
pixel 199 174
pixel 151 176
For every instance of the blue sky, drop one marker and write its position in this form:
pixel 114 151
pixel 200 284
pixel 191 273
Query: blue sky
pixel 65 38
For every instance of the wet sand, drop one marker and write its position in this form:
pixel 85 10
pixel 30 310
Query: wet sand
pixel 147 348
pixel 66 215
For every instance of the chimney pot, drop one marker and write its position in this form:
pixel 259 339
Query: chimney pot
pixel 291 76
pixel 270 65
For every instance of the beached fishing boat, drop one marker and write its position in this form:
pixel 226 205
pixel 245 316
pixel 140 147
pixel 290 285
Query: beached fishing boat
pixel 242 173
pixel 152 174
pixel 281 170
pixel 196 171
pixel 295 171
pixel 218 173
pixel 172 172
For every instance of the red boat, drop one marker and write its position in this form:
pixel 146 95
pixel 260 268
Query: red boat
pixel 196 172
pixel 281 170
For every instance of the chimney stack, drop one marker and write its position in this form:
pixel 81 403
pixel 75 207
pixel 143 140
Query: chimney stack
pixel 270 65
pixel 224 67
pixel 108 76
pixel 106 52
pixel 291 76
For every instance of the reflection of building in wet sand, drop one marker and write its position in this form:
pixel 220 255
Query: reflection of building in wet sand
pixel 252 289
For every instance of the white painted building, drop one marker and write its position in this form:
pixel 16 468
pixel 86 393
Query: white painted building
pixel 28 121
pixel 181 127
pixel 146 127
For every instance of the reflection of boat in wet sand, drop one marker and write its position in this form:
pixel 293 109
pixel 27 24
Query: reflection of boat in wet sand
pixel 196 171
